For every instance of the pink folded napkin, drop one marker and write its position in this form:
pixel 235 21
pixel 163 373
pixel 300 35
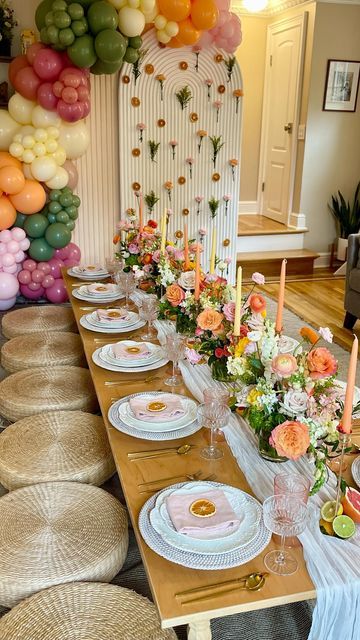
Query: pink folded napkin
pixel 111 315
pixel 101 288
pixel 223 522
pixel 130 351
pixel 141 408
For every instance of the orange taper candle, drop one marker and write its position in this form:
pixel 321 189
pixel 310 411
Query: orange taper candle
pixel 280 304
pixel 197 274
pixel 345 426
pixel 186 248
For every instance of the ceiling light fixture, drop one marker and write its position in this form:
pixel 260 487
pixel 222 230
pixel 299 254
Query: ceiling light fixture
pixel 253 6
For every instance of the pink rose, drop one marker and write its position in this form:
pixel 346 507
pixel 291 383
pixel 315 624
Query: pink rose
pixel 290 439
pixel 321 363
pixel 192 356
pixel 133 248
pixel 284 365
pixel 229 311
pixel 258 278
pixel 156 255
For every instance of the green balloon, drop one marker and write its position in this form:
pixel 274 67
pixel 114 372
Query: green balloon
pixel 52 218
pixel 61 19
pixel 55 207
pixel 20 219
pixel 101 67
pixel 131 55
pixel 57 235
pixel 110 45
pixel 66 190
pixel 40 250
pixel 82 52
pixel 59 5
pixel 43 36
pixel 36 225
pixel 70 225
pixel 76 201
pixel 135 42
pixel 55 194
pixel 66 199
pixel 72 212
pixel 42 9
pixel 102 15
pixel 79 27
pixel 52 34
pixel 86 3
pixel 75 11
pixel 62 217
pixel 66 37
pixel 49 19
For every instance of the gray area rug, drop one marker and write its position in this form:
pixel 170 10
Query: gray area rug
pixel 287 622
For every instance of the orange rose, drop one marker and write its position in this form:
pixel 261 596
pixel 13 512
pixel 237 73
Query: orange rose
pixel 175 295
pixel 291 439
pixel 321 363
pixel 209 320
pixel 257 303
pixel 219 330
pixel 147 258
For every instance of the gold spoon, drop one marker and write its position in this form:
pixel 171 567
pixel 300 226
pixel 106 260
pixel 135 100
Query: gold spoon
pixel 180 451
pixel 254 582
pixel 110 383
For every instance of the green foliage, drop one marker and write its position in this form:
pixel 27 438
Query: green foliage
pixel 216 145
pixel 213 206
pixel 263 420
pixel 153 148
pixel 184 96
pixel 347 217
pixel 151 199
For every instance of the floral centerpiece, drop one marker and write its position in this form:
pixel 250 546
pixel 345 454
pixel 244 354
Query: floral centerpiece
pixel 7 24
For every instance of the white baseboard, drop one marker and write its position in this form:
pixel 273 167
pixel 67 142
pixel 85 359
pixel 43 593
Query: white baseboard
pixel 281 242
pixel 248 207
pixel 322 261
pixel 297 220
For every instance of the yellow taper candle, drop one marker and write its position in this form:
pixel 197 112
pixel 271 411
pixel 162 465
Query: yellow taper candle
pixel 163 233
pixel 141 222
pixel 345 425
pixel 186 248
pixel 237 319
pixel 281 297
pixel 213 251
pixel 197 274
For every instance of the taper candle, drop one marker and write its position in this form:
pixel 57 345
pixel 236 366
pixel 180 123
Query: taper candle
pixel 163 233
pixel 345 425
pixel 281 297
pixel 197 274
pixel 213 251
pixel 186 248
pixel 141 225
pixel 237 319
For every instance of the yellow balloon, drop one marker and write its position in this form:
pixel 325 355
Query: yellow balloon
pixel 8 129
pixel 51 145
pixel 40 135
pixel 160 22
pixel 20 108
pixel 16 149
pixel 39 149
pixel 59 156
pixel 26 169
pixel 28 156
pixel 44 169
pixel 60 179
pixel 28 142
pixel 74 138
pixel 43 118
pixel 171 29
pixel 162 36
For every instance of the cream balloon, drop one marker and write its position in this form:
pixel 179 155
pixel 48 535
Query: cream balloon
pixel 43 118
pixel 59 156
pixel 53 132
pixel 74 138
pixel 39 149
pixel 151 14
pixel 51 145
pixel 60 179
pixel 162 36
pixel 118 3
pixel 16 149
pixel 134 4
pixel 160 22
pixel 44 169
pixel 147 5
pixel 8 129
pixel 172 28
pixel 40 135
pixel 28 156
pixel 131 22
pixel 28 142
pixel 26 169
pixel 21 109
pixel 27 130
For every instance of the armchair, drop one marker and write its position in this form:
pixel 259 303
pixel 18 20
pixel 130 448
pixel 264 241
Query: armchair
pixel 352 282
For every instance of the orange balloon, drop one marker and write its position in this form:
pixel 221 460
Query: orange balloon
pixel 6 160
pixel 30 199
pixel 175 43
pixel 204 14
pixel 187 32
pixel 12 180
pixel 20 62
pixel 7 213
pixel 175 10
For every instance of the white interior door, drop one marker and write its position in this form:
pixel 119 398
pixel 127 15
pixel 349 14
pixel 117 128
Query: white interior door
pixel 285 52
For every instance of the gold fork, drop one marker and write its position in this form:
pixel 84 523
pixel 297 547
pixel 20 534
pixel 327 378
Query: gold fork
pixel 115 383
pixel 189 477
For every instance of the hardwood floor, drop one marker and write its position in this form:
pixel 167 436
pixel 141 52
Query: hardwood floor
pixel 250 225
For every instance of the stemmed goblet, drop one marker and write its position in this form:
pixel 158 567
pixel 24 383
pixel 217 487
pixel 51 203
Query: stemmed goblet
pixel 149 311
pixel 214 416
pixel 285 516
pixel 127 284
pixel 175 350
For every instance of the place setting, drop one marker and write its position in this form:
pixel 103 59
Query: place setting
pixel 112 320
pixel 98 292
pixel 91 272
pixel 128 356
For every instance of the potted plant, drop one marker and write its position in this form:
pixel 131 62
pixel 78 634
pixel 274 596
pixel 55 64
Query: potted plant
pixel 347 218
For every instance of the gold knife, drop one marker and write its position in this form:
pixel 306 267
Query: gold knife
pixel 220 592
pixel 207 587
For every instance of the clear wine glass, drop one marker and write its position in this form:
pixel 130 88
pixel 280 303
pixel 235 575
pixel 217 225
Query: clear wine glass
pixel 113 265
pixel 126 281
pixel 285 516
pixel 213 416
pixel 149 312
pixel 175 351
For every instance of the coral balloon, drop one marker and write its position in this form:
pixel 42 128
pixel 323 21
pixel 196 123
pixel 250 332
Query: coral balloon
pixel 187 32
pixel 74 138
pixel 20 108
pixel 204 14
pixel 11 179
pixel 30 199
pixel 24 277
pixel 48 64
pixel 32 51
pixel 57 293
pixel 9 286
pixel 20 62
pixel 7 160
pixel 48 281
pixel 29 265
pixel 176 10
pixel 72 173
pixel 26 82
pixel 8 129
pixel 7 213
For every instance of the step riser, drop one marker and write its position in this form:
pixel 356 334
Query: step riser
pixel 271 268
pixel 281 242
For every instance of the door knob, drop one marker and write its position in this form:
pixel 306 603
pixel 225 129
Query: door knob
pixel 288 127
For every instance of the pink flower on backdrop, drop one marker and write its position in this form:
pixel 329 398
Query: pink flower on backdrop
pixel 199 199
pixel 229 311
pixel 321 363
pixel 192 356
pixel 170 249
pixel 326 334
pixel 290 439
pixel 284 365
pixel 228 260
pixel 258 278
pixel 133 248
pixel 202 232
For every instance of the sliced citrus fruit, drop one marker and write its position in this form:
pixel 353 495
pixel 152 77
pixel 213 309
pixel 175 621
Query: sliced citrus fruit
pixel 156 406
pixel 351 504
pixel 328 510
pixel 326 527
pixel 343 526
pixel 202 508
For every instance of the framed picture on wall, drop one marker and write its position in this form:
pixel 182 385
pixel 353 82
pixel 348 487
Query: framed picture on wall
pixel 341 86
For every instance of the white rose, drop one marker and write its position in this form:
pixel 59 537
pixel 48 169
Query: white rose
pixel 187 280
pixel 294 402
pixel 254 336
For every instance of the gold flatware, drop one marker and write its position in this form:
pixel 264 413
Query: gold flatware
pixel 193 476
pixel 154 453
pixel 110 383
pixel 215 585
pixel 189 477
pixel 254 582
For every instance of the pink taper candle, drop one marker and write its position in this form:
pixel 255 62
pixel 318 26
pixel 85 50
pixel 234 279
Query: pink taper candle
pixel 186 248
pixel 141 227
pixel 197 274
pixel 345 425
pixel 281 297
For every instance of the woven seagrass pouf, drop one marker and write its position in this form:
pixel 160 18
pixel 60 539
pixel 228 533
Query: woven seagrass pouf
pixel 55 446
pixel 59 532
pixel 32 391
pixel 42 350
pixel 35 319
pixel 84 611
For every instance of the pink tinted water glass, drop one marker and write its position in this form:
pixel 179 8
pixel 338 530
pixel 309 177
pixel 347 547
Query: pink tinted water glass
pixel 216 394
pixel 292 484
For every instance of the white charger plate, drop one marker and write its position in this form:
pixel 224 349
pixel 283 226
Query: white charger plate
pixel 115 420
pixel 111 367
pixel 245 507
pixel 133 318
pixel 114 291
pixel 110 330
pixel 90 278
pixel 127 416
pixel 107 356
pixel 80 296
pixel 355 470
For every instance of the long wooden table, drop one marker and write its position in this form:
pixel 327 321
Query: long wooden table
pixel 166 578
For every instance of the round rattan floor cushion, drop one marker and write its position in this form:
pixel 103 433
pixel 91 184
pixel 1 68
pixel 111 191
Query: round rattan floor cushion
pixel 42 349
pixel 60 445
pixel 58 532
pixel 35 319
pixel 84 611
pixel 32 391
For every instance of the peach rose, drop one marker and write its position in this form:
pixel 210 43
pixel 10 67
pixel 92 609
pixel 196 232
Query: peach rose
pixel 291 439
pixel 321 363
pixel 284 365
pixel 175 295
pixel 209 320
pixel 257 303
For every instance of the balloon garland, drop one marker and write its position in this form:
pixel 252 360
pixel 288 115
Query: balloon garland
pixel 44 128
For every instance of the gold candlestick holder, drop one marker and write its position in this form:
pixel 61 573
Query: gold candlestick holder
pixel 344 441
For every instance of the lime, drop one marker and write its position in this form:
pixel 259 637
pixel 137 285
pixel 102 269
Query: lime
pixel 343 526
pixel 328 510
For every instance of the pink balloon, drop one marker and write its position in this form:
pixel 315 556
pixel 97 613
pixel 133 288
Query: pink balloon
pixel 57 293
pixel 11 269
pixel 29 265
pixel 9 286
pixel 3 248
pixel 44 267
pixel 227 30
pixel 8 259
pixel 24 277
pixel 37 276
pixel 55 266
pixel 72 173
pixel 73 251
pixel 73 71
pixel 5 235
pixel 57 88
pixel 87 108
pixel 13 246
pixel 69 95
pixel 70 112
pixel 24 244
pixel 7 304
pixel 33 50
pixel 48 64
pixel 83 93
pixel 206 39
pixel 19 256
pixel 48 282
pixel 46 97
pixel 34 286
pixel 70 262
pixel 18 234
pixel 29 293
pixel 26 82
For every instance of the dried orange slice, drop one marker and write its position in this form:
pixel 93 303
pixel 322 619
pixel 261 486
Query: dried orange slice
pixel 101 288
pixel 156 406
pixel 90 267
pixel 202 508
pixel 114 314
pixel 133 349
